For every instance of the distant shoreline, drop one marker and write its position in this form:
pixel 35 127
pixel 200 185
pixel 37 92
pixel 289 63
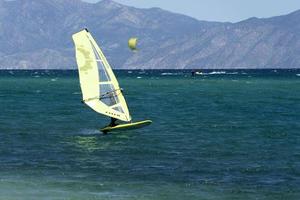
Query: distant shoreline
pixel 207 69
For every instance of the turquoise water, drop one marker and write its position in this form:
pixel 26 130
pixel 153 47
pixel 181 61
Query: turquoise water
pixel 221 135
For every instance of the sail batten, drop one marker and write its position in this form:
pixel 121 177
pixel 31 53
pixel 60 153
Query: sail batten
pixel 99 86
pixel 105 82
pixel 116 105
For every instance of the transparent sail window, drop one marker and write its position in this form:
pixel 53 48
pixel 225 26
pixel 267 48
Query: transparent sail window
pixel 103 76
pixel 119 108
pixel 109 95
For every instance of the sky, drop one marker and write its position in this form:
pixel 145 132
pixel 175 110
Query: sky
pixel 219 10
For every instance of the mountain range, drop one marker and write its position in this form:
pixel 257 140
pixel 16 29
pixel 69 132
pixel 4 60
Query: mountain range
pixel 37 34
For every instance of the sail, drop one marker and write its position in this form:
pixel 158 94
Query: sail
pixel 99 86
pixel 132 43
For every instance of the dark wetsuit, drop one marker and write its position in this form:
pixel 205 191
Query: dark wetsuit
pixel 113 122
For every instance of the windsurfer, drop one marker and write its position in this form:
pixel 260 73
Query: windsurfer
pixel 193 72
pixel 113 122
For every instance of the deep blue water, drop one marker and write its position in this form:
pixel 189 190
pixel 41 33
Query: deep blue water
pixel 221 135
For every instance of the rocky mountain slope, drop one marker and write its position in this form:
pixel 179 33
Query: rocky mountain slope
pixel 36 34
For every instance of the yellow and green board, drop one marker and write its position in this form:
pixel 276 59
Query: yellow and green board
pixel 128 126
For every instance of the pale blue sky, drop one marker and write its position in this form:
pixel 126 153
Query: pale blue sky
pixel 219 10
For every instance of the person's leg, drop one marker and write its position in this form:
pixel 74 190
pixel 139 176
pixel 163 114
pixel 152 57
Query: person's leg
pixel 113 122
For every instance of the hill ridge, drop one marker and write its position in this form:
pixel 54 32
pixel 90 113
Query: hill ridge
pixel 37 34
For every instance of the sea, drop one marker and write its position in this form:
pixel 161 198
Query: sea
pixel 221 134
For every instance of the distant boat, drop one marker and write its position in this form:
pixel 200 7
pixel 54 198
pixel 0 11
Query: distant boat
pixel 99 86
pixel 194 72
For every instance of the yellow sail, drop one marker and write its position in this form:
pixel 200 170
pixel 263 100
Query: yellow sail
pixel 99 86
pixel 132 43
